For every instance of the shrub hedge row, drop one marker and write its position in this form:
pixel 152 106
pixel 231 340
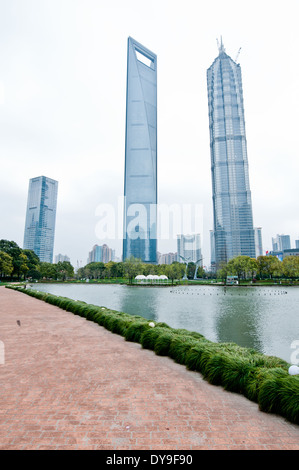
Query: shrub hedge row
pixel 260 378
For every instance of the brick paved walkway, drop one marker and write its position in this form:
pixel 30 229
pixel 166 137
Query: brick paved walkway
pixel 67 383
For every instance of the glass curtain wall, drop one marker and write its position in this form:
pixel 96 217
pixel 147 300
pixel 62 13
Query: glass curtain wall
pixel 233 233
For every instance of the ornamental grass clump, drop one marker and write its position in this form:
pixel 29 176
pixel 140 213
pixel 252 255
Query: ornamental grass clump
pixel 163 342
pixel 150 336
pixel 135 331
pixel 235 373
pixel 117 322
pixel 280 395
pixel 79 308
pixel 180 348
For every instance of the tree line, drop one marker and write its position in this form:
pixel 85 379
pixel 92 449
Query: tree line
pixel 17 264
pixel 264 267
pixel 20 264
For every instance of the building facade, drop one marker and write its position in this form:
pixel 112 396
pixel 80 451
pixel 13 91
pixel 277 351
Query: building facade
pixel 281 243
pixel 101 254
pixel 232 208
pixel 140 185
pixel 167 258
pixel 61 258
pixel 41 217
pixel 189 248
pixel 258 241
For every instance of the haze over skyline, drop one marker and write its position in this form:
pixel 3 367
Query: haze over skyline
pixel 63 104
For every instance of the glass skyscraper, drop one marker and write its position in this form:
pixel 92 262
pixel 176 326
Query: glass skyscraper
pixel 41 217
pixel 140 185
pixel 232 208
pixel 189 248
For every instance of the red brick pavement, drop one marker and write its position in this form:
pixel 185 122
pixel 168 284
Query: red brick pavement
pixel 67 383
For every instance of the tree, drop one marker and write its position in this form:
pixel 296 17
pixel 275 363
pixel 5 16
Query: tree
pixel 290 266
pixel 222 271
pixel 64 270
pixel 33 264
pixel 191 270
pixel 132 267
pixel 109 269
pixel 268 266
pixel 242 266
pixel 175 271
pixel 22 266
pixel 95 270
pixel 47 270
pixel 12 249
pixel 6 264
pixel 118 270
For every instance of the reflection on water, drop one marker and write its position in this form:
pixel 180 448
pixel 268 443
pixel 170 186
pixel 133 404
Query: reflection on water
pixel 265 319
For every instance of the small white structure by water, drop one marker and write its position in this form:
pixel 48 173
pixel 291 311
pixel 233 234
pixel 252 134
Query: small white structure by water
pixel 151 279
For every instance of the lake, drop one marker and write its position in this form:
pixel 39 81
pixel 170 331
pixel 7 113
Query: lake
pixel 263 318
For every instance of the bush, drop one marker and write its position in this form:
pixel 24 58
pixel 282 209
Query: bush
pixel 280 394
pixel 181 347
pixel 135 331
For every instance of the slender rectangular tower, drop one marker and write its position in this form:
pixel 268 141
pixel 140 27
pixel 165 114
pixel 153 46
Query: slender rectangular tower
pixel 41 217
pixel 233 223
pixel 140 185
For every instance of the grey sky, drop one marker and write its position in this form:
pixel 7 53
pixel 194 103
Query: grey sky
pixel 63 95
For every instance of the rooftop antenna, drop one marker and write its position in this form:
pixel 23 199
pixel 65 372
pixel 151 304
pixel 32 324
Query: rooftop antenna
pixel 237 56
pixel 220 46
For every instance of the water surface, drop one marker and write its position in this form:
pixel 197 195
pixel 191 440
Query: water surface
pixel 263 318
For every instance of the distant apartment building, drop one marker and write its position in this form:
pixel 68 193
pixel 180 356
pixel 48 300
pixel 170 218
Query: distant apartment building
pixel 296 243
pixel 281 243
pixel 189 248
pixel 167 258
pixel 101 254
pixel 258 241
pixel 41 217
pixel 61 258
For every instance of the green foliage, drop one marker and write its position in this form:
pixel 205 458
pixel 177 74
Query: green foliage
pixel 135 331
pixel 280 394
pixel 175 271
pixel 263 379
pixel 132 267
pixel 268 266
pixel 290 266
pixel 242 266
pixel 6 264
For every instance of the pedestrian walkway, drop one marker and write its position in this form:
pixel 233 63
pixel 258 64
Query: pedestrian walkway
pixel 67 383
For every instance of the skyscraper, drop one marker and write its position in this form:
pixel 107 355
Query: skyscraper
pixel 41 217
pixel 233 221
pixel 258 241
pixel 140 185
pixel 189 248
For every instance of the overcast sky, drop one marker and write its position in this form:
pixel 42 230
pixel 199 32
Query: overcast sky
pixel 63 97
